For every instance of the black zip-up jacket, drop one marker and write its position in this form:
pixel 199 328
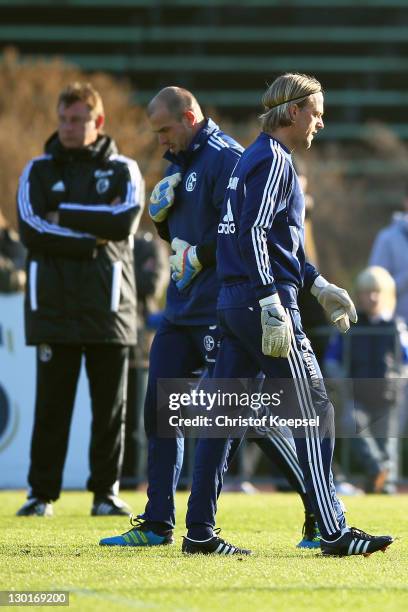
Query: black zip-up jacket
pixel 80 291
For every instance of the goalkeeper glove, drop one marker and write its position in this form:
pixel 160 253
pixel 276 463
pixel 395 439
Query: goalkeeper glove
pixel 276 327
pixel 184 264
pixel 336 302
pixel 162 197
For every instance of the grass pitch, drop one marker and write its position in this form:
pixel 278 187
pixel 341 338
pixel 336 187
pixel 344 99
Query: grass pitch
pixel 62 553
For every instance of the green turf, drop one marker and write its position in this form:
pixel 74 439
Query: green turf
pixel 63 553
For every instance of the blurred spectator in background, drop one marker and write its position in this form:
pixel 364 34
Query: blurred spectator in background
pixel 314 320
pixel 78 205
pixel 152 275
pixel 390 250
pixel 373 353
pixel 12 259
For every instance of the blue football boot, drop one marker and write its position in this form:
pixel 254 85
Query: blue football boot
pixel 141 534
pixel 311 534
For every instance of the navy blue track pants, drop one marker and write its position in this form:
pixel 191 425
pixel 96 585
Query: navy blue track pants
pixel 240 356
pixel 177 351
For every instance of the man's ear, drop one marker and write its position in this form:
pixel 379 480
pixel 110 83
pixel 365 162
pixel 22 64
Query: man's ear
pixel 189 118
pixel 99 122
pixel 293 112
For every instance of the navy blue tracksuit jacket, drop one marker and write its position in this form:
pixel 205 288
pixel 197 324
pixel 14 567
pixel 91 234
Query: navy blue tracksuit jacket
pixel 206 167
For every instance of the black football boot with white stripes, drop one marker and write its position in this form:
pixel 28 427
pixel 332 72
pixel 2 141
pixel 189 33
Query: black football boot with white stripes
pixel 110 505
pixel 36 507
pixel 213 546
pixel 355 542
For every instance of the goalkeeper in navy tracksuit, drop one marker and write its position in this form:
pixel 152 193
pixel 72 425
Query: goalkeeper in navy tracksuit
pixel 261 265
pixel 186 206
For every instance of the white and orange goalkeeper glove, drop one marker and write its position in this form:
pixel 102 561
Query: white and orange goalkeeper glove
pixel 162 197
pixel 184 264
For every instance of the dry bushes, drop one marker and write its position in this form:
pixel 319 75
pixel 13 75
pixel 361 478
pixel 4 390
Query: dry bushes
pixel 28 95
pixel 356 189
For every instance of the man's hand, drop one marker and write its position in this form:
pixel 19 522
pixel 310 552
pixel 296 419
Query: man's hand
pixel 184 263
pixel 162 197
pixel 336 302
pixel 276 327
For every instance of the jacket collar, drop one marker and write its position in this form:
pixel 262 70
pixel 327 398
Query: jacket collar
pixel 283 147
pixel 101 149
pixel 183 158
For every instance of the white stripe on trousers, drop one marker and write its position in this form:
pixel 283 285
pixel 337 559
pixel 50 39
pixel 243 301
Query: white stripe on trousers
pixel 312 461
pixel 312 414
pixel 287 452
pixel 323 496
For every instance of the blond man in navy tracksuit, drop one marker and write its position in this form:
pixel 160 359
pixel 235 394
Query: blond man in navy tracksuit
pixel 261 265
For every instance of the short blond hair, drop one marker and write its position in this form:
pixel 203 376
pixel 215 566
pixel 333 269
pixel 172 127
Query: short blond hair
pixel 82 92
pixel 288 88
pixel 376 278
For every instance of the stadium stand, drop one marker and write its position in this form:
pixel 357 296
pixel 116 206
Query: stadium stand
pixel 226 50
